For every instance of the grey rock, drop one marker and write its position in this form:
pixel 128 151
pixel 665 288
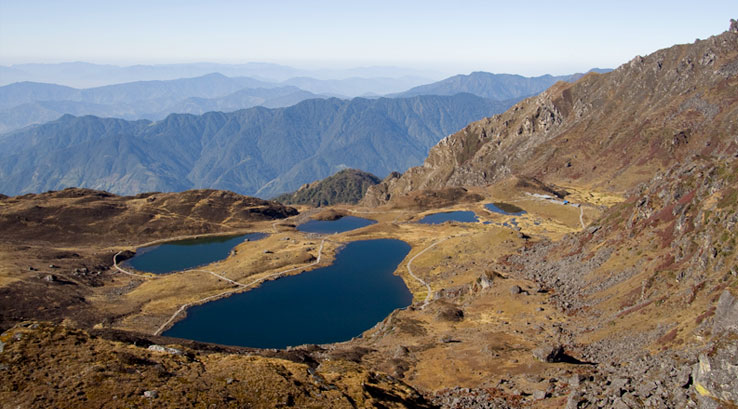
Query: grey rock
pixel 539 394
pixel 485 281
pixel 50 278
pixel 2 347
pixel 575 380
pixel 549 353
pixel 618 385
pixel 152 394
pixel 514 290
pixel 168 350
pixel 716 375
pixel 401 351
pixel 726 314
pixel 574 400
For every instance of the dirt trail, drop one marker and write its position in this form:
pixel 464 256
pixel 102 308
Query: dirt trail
pixel 423 282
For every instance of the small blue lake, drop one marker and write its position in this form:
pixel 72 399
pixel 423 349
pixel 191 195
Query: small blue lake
pixel 329 304
pixel 184 254
pixel 345 223
pixel 463 216
pixel 504 208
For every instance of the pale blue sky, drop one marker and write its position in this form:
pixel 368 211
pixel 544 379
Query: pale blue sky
pixel 531 37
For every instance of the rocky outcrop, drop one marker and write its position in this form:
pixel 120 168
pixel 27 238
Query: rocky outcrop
pixel 611 130
pixel 716 374
pixel 346 186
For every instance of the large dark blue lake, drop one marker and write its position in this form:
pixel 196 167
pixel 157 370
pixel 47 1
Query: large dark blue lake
pixel 341 225
pixel 183 254
pixel 464 216
pixel 329 304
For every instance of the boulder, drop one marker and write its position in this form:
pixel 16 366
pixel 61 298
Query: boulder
pixel 168 350
pixel 549 353
pixel 726 314
pixel 484 281
pixel 450 313
pixel 715 376
pixel 151 394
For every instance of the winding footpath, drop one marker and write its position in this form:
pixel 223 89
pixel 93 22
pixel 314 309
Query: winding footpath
pixel 117 267
pixel 239 287
pixel 581 216
pixel 423 282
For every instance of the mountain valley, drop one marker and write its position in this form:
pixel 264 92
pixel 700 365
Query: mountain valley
pixel 605 274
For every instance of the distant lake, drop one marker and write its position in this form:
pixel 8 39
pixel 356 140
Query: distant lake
pixel 184 254
pixel 463 216
pixel 505 208
pixel 329 304
pixel 345 223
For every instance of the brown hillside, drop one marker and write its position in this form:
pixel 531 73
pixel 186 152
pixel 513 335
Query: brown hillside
pixel 611 130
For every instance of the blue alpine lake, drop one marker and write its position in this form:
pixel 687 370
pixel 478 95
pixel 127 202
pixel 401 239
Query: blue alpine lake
pixel 464 216
pixel 505 208
pixel 183 254
pixel 328 304
pixel 340 225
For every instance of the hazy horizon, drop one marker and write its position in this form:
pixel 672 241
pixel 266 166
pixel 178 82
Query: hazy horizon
pixel 531 39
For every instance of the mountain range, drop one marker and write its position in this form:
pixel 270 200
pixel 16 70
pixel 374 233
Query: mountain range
pixel 499 87
pixel 257 151
pixel 86 75
pixel 594 129
pixel 27 103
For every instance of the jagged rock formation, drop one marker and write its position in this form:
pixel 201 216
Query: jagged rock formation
pixel 612 130
pixel 346 186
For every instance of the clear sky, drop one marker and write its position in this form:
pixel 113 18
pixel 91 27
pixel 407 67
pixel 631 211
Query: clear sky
pixel 524 37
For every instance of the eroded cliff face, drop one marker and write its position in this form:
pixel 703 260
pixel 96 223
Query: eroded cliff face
pixel 611 130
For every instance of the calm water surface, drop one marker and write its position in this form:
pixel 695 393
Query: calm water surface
pixel 341 225
pixel 329 304
pixel 183 254
pixel 464 216
pixel 505 208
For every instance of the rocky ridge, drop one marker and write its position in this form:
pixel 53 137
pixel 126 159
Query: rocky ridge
pixel 612 130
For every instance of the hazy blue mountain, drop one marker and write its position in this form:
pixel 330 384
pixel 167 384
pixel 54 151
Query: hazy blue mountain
pixel 355 86
pixel 256 151
pixel 207 86
pixel 85 75
pixel 29 103
pixel 499 87
pixel 245 98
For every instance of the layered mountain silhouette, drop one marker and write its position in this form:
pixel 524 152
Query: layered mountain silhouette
pixel 27 103
pixel 256 151
pixel 499 87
